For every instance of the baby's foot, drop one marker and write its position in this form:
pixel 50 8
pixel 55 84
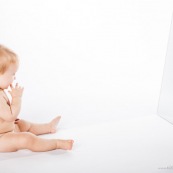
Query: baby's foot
pixel 65 144
pixel 53 124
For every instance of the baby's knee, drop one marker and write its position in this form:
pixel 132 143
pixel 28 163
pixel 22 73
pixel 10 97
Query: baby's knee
pixel 27 139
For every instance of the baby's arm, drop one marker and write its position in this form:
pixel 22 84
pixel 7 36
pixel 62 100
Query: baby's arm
pixel 10 112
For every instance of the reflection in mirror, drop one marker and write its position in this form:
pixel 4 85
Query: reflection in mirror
pixel 165 107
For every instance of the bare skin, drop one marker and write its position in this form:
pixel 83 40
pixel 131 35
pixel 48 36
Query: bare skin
pixel 24 137
pixel 16 134
pixel 37 129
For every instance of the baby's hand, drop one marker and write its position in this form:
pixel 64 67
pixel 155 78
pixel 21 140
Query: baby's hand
pixel 16 91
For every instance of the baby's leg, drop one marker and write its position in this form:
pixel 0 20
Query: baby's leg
pixel 38 129
pixel 24 140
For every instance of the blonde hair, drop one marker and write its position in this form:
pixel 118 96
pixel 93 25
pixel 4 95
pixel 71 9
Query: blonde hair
pixel 7 57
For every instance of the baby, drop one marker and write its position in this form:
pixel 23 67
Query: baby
pixel 16 134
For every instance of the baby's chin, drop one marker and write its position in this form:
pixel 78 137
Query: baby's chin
pixel 7 87
pixel 3 88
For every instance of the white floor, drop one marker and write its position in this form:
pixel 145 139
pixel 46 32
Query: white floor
pixel 126 146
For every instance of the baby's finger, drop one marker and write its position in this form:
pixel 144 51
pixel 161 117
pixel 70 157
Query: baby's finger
pixel 11 87
pixel 20 87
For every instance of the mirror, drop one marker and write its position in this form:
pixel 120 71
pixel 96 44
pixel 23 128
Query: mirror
pixel 165 106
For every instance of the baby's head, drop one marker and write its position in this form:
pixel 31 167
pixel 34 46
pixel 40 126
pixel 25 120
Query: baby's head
pixel 9 63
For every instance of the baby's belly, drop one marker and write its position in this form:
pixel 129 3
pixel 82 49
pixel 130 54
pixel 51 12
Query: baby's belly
pixel 6 126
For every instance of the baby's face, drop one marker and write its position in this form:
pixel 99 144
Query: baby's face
pixel 8 77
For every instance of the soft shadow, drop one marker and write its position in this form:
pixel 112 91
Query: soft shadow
pixel 17 154
pixel 28 153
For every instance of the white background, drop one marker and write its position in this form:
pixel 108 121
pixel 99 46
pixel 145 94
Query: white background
pixel 89 61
